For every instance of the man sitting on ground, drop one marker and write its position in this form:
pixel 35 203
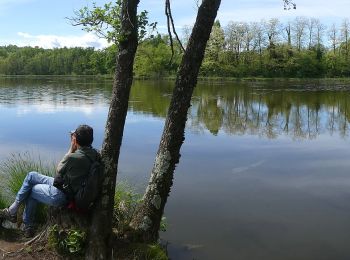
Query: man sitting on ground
pixel 71 172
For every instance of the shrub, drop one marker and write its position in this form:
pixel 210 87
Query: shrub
pixel 67 241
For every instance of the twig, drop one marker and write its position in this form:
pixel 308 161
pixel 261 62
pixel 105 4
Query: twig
pixel 170 25
pixel 173 26
pixel 34 239
pixel 4 251
pixel 37 237
pixel 167 7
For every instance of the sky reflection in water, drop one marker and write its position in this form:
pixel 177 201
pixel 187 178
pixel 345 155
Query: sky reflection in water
pixel 264 171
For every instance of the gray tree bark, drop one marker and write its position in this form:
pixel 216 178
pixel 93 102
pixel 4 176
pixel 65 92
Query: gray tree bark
pixel 146 221
pixel 99 246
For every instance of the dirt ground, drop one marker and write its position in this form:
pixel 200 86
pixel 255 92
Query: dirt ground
pixel 13 245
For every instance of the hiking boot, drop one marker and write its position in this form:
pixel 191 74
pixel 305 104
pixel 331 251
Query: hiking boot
pixel 29 232
pixel 5 214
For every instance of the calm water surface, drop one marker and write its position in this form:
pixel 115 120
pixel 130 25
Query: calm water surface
pixel 264 172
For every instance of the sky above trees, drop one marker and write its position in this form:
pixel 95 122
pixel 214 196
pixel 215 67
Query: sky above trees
pixel 42 23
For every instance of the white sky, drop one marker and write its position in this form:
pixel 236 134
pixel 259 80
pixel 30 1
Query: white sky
pixel 42 22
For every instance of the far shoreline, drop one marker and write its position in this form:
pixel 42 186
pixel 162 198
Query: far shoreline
pixel 173 78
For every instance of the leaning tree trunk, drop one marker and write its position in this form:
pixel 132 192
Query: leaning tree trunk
pixel 147 218
pixel 99 246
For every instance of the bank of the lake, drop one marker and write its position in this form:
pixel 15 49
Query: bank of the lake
pixel 108 77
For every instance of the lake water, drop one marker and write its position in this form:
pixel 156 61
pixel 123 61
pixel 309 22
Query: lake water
pixel 264 171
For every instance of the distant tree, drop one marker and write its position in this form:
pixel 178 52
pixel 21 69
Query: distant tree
pixel 333 37
pixel 259 39
pixel 216 42
pixel 319 32
pixel 299 27
pixel 234 32
pixel 311 24
pixel 345 34
pixel 272 28
pixel 186 32
pixel 153 58
pixel 288 30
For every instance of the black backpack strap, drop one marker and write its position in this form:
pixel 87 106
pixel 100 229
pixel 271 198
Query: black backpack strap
pixel 90 159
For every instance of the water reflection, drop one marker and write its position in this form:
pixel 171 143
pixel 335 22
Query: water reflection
pixel 270 110
pixel 298 110
pixel 54 91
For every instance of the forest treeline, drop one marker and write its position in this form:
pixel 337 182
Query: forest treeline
pixel 303 47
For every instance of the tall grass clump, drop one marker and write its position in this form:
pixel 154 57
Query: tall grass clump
pixel 14 169
pixel 126 199
pixel 3 202
pixel 141 251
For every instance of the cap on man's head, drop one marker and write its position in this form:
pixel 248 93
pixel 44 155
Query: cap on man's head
pixel 84 135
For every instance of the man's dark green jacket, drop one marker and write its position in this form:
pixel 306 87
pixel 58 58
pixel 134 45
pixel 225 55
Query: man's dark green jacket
pixel 74 167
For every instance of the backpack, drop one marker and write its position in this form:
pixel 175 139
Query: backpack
pixel 90 188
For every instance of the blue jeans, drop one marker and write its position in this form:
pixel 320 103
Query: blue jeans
pixel 38 188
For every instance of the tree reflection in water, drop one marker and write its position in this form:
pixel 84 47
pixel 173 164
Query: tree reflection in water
pixel 298 109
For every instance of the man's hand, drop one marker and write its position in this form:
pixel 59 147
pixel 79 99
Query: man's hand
pixel 73 144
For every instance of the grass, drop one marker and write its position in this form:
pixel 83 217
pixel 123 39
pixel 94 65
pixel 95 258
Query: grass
pixel 140 251
pixel 12 173
pixel 15 168
pixel 3 202
pixel 126 200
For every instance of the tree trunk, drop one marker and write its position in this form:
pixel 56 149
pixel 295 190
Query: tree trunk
pixel 289 36
pixel 101 226
pixel 148 216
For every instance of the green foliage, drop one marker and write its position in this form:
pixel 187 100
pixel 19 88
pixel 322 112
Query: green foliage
pixel 125 202
pixel 216 43
pixel 3 202
pixel 67 241
pixel 140 251
pixel 14 169
pixel 106 21
pixel 153 58
pixel 64 61
pixel 163 224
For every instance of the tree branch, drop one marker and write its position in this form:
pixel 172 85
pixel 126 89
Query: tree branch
pixel 170 25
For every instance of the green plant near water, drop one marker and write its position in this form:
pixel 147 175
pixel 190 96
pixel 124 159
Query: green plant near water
pixel 67 241
pixel 163 224
pixel 13 170
pixel 125 202
pixel 141 251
